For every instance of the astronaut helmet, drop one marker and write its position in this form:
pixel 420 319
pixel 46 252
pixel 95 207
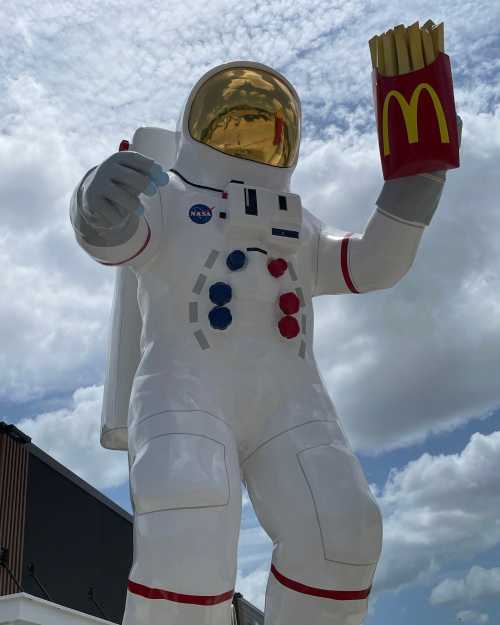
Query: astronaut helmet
pixel 243 117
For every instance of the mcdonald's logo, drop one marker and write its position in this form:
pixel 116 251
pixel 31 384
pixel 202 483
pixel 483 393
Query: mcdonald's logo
pixel 410 111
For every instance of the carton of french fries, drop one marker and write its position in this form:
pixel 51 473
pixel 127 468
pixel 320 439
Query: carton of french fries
pixel 414 103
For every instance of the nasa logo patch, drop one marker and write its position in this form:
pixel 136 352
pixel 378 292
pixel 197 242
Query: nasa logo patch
pixel 200 213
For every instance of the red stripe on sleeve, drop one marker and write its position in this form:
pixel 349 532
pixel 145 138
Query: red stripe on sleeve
pixel 158 593
pixel 345 265
pixel 337 595
pixel 127 260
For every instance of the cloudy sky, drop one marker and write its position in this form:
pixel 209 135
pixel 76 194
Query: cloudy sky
pixel 414 371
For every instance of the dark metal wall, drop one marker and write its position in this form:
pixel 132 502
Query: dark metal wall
pixel 13 481
pixel 247 613
pixel 75 543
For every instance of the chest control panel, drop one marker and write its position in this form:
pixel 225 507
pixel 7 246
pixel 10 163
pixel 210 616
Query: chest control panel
pixel 271 218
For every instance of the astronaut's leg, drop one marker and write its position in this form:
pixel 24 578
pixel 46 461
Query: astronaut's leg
pixel 311 497
pixel 186 489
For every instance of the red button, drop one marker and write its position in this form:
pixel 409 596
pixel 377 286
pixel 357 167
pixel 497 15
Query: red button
pixel 124 146
pixel 288 327
pixel 277 267
pixel 289 303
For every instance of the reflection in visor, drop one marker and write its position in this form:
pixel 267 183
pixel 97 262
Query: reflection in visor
pixel 248 113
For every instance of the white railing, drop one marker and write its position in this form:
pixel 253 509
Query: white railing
pixel 24 609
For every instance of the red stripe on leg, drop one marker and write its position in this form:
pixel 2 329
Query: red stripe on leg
pixel 345 265
pixel 338 595
pixel 158 593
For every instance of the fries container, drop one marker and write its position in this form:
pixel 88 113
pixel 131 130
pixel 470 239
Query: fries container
pixel 416 120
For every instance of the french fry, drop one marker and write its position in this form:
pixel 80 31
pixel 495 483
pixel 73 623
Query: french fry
pixel 403 50
pixel 416 51
pixel 380 55
pixel 373 50
pixel 401 40
pixel 428 47
pixel 437 34
pixel 391 66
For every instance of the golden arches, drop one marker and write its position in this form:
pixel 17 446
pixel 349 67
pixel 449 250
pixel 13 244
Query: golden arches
pixel 410 114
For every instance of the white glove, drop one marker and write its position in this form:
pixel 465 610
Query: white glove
pixel 415 198
pixel 111 192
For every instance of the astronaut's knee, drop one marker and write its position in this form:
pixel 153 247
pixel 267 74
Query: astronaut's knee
pixel 177 471
pixel 348 515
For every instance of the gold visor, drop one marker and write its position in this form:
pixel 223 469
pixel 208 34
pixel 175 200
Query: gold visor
pixel 248 113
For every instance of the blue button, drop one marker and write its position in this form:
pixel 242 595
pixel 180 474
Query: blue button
pixel 236 260
pixel 220 293
pixel 220 318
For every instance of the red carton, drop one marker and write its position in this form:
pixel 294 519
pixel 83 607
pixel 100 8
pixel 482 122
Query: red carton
pixel 416 120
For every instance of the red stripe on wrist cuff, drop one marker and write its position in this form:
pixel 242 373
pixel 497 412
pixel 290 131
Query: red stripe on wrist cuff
pixel 345 266
pixel 157 593
pixel 127 260
pixel 338 595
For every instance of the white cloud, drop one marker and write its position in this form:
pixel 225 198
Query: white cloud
pixel 54 301
pixel 253 586
pixel 475 618
pixel 438 510
pixel 72 437
pixel 254 549
pixel 479 583
pixel 245 499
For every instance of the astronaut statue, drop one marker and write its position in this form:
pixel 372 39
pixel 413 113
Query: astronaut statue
pixel 212 378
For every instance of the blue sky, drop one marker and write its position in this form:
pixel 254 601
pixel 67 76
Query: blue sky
pixel 414 371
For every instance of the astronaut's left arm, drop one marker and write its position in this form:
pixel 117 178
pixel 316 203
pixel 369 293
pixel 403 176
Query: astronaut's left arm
pixel 382 255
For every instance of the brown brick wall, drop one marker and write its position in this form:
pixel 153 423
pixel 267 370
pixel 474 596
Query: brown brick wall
pixel 14 449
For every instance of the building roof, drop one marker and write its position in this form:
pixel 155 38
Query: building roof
pixel 13 431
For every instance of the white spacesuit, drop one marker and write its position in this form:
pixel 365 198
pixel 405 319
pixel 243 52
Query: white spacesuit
pixel 223 385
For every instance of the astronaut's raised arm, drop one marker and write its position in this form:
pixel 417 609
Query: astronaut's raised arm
pixel 106 213
pixel 382 255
